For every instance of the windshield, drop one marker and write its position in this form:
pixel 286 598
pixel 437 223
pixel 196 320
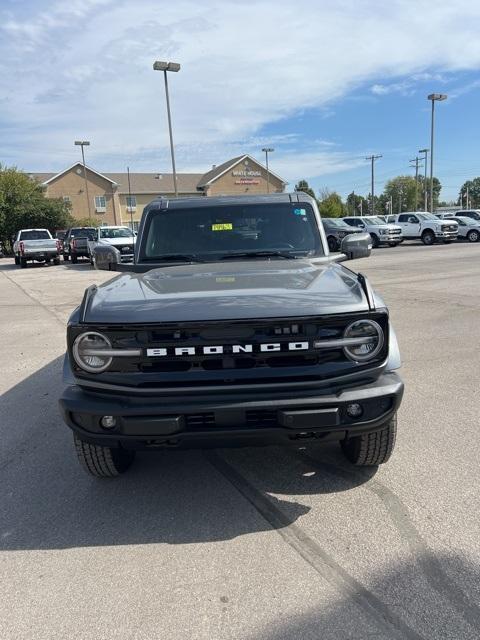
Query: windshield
pixel 213 232
pixel 375 220
pixel 426 216
pixel 35 234
pixel 111 234
pixel 82 233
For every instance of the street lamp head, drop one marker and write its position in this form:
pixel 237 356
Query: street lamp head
pixel 423 150
pixel 82 143
pixel 437 96
pixel 159 65
pixel 268 149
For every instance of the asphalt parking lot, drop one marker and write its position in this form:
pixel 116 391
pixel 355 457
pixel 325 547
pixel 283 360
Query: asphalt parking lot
pixel 247 544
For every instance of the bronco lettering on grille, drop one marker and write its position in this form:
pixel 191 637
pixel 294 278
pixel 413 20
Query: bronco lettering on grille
pixel 232 348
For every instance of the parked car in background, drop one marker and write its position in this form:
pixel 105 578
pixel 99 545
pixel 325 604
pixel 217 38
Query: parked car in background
pixel 75 243
pixel 468 228
pixel 60 236
pixel 35 245
pixel 426 227
pixel 335 230
pixel 121 238
pixel 380 231
pixel 469 213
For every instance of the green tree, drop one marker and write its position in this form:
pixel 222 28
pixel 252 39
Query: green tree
pixel 23 204
pixel 356 205
pixel 331 205
pixel 473 187
pixel 401 190
pixel 302 185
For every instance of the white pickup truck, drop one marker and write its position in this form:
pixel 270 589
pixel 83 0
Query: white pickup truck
pixel 425 227
pixel 380 231
pixel 121 238
pixel 35 245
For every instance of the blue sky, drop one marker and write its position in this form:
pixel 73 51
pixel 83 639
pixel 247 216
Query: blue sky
pixel 325 82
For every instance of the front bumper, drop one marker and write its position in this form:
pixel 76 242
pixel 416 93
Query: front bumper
pixel 391 238
pixel 150 423
pixel 446 235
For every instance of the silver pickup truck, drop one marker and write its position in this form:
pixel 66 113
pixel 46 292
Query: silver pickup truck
pixel 35 245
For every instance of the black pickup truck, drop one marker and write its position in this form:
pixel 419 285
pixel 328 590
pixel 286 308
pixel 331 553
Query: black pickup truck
pixel 234 326
pixel 75 243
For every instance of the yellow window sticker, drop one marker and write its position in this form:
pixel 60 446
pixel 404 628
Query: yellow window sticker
pixel 224 226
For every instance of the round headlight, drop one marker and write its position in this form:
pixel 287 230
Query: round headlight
pixel 87 352
pixel 366 340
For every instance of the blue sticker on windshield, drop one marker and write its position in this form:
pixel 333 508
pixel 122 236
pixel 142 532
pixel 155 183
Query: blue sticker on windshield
pixel 300 212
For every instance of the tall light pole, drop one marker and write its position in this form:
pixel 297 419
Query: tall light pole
pixel 433 97
pixel 85 143
pixel 372 159
pixel 425 151
pixel 266 151
pixel 158 65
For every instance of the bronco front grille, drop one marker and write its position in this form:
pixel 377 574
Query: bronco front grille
pixel 196 368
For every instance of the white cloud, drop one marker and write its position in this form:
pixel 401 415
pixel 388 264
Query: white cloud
pixel 84 68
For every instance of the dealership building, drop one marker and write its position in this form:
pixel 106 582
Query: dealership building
pixel 113 200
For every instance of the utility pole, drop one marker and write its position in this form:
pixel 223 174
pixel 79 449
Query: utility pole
pixel 468 199
pixel 266 151
pixel 416 160
pixel 372 159
pixel 433 97
pixel 353 202
pixel 361 207
pixel 425 196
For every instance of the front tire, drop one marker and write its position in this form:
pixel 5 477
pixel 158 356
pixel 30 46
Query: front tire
pixel 392 244
pixel 473 235
pixel 65 257
pixel 428 238
pixel 17 260
pixel 103 462
pixel 23 263
pixel 74 259
pixel 371 449
pixel 375 241
pixel 56 261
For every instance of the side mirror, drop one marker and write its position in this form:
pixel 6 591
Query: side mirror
pixel 412 220
pixel 106 258
pixel 357 245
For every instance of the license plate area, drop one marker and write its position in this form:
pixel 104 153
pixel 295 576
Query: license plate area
pixel 309 418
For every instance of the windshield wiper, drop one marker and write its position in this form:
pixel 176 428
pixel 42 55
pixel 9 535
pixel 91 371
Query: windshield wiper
pixel 259 254
pixel 176 257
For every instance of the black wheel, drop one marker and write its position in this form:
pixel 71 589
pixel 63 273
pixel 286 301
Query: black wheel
pixel 375 241
pixel 428 237
pixel 56 261
pixel 17 260
pixel 371 449
pixel 23 263
pixel 74 259
pixel 392 244
pixel 447 242
pixel 65 257
pixel 332 243
pixel 103 462
pixel 473 235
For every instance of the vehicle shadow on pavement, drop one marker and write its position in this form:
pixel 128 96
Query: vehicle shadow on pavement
pixel 47 501
pixel 396 603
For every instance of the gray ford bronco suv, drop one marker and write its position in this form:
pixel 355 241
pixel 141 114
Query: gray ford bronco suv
pixel 233 326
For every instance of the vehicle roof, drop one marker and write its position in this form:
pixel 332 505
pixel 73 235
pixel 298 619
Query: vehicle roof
pixel 36 229
pixel 206 201
pixel 111 226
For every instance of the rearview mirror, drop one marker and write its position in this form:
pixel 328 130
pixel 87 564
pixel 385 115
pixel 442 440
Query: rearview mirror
pixel 105 258
pixel 357 245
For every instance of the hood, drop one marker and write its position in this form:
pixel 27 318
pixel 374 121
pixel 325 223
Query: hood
pixel 116 242
pixel 387 226
pixel 230 291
